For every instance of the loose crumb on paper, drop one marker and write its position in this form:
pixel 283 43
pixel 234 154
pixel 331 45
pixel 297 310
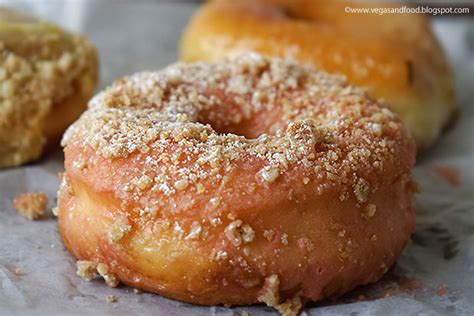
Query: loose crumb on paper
pixel 448 173
pixel 441 290
pixel 31 205
pixel 111 299
pixel 137 291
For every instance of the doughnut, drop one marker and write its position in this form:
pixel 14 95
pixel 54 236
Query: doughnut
pixel 248 180
pixel 396 56
pixel 47 76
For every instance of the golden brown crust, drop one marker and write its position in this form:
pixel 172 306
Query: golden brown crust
pixel 46 78
pixel 396 56
pixel 159 186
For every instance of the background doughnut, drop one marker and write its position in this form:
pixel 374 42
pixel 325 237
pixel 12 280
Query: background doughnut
pixel 47 76
pixel 396 56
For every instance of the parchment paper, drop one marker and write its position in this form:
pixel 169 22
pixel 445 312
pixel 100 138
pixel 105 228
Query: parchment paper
pixel 434 276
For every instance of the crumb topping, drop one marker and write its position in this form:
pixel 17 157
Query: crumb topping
pixel 195 231
pixel 31 205
pixel 119 230
pixel 268 234
pixel 89 270
pixel 371 209
pixel 184 128
pixel 271 297
pixel 109 278
pixel 284 239
pixel 238 233
pixel 270 174
pixel 181 184
pixel 290 307
pixel 361 190
pixel 270 294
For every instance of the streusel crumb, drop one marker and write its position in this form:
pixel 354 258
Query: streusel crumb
pixel 111 299
pixel 271 296
pixel 89 270
pixel 110 278
pixel 119 230
pixel 31 205
pixel 238 233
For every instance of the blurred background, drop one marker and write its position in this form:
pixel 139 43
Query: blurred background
pixel 134 35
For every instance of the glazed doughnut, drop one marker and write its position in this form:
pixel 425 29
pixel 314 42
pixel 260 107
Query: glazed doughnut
pixel 247 180
pixel 47 76
pixel 396 56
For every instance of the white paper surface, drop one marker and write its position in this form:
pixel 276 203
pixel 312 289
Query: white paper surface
pixel 144 35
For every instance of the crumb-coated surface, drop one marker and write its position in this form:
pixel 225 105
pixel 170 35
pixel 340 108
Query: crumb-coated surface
pixel 201 181
pixel 47 76
pixel 396 56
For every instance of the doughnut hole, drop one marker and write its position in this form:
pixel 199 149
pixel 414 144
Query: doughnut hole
pixel 231 120
pixel 246 118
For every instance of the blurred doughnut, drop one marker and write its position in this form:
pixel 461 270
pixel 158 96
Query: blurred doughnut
pixel 47 76
pixel 396 56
